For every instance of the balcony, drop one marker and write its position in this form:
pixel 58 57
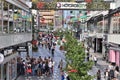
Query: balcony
pixel 13 39
pixel 114 38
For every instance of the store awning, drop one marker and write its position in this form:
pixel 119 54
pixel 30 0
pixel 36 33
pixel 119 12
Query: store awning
pixel 114 11
pixel 74 19
pixel 83 17
pixel 114 48
pixel 97 15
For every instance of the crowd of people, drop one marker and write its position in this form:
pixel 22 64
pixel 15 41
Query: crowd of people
pixel 48 41
pixel 41 66
pixel 36 67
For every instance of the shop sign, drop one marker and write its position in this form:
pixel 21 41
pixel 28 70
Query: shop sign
pixel 22 49
pixel 70 5
pixel 8 52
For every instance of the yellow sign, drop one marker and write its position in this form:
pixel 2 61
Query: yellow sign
pixel 15 16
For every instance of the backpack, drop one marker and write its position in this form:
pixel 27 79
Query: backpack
pixel 111 73
pixel 98 75
pixel 40 66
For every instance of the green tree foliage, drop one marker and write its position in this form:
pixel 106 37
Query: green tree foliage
pixel 75 58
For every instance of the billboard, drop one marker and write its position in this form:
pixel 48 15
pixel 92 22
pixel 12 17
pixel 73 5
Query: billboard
pixel 70 5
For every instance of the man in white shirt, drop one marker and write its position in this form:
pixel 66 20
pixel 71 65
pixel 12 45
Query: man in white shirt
pixel 95 60
pixel 50 66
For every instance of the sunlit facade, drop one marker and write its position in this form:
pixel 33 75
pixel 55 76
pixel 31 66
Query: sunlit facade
pixel 15 28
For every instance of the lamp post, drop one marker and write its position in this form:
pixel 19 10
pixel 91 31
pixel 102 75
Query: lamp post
pixel 55 16
pixel 72 16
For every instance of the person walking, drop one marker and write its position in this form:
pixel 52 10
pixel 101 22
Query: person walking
pixel 53 49
pixel 95 60
pixel 116 73
pixel 62 75
pixel 60 65
pixel 111 74
pixel 98 75
pixel 106 74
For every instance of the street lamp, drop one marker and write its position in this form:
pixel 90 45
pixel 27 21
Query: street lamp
pixel 72 16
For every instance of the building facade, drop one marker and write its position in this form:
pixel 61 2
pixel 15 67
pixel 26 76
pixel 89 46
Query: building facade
pixel 15 28
pixel 106 28
pixel 46 19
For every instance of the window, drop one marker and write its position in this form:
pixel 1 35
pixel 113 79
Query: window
pixel 71 12
pixel 16 20
pixel 5 17
pixel 114 25
pixel 0 15
pixel 119 26
pixel 99 26
pixel 106 26
pixel 11 22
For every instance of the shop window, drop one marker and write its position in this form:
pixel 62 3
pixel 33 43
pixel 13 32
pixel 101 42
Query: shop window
pixel 11 22
pixel 5 17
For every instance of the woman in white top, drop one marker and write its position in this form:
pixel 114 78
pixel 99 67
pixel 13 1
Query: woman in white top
pixel 116 75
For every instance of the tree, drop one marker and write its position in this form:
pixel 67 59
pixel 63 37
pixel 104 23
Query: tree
pixel 75 58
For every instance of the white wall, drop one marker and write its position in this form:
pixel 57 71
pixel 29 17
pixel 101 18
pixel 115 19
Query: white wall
pixel 117 3
pixel 14 39
pixel 114 38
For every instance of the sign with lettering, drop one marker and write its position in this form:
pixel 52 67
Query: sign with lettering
pixel 8 52
pixel 22 48
pixel 70 5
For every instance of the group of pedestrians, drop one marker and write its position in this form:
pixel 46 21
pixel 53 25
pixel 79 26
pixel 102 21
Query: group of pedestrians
pixel 48 41
pixel 111 73
pixel 36 67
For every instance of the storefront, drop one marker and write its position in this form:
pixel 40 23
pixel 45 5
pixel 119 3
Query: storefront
pixel 114 57
pixel 8 68
pixel 98 45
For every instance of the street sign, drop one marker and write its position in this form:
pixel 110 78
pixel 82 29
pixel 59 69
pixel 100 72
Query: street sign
pixel 22 48
pixel 70 5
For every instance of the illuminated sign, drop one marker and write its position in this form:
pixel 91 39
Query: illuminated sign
pixel 70 5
